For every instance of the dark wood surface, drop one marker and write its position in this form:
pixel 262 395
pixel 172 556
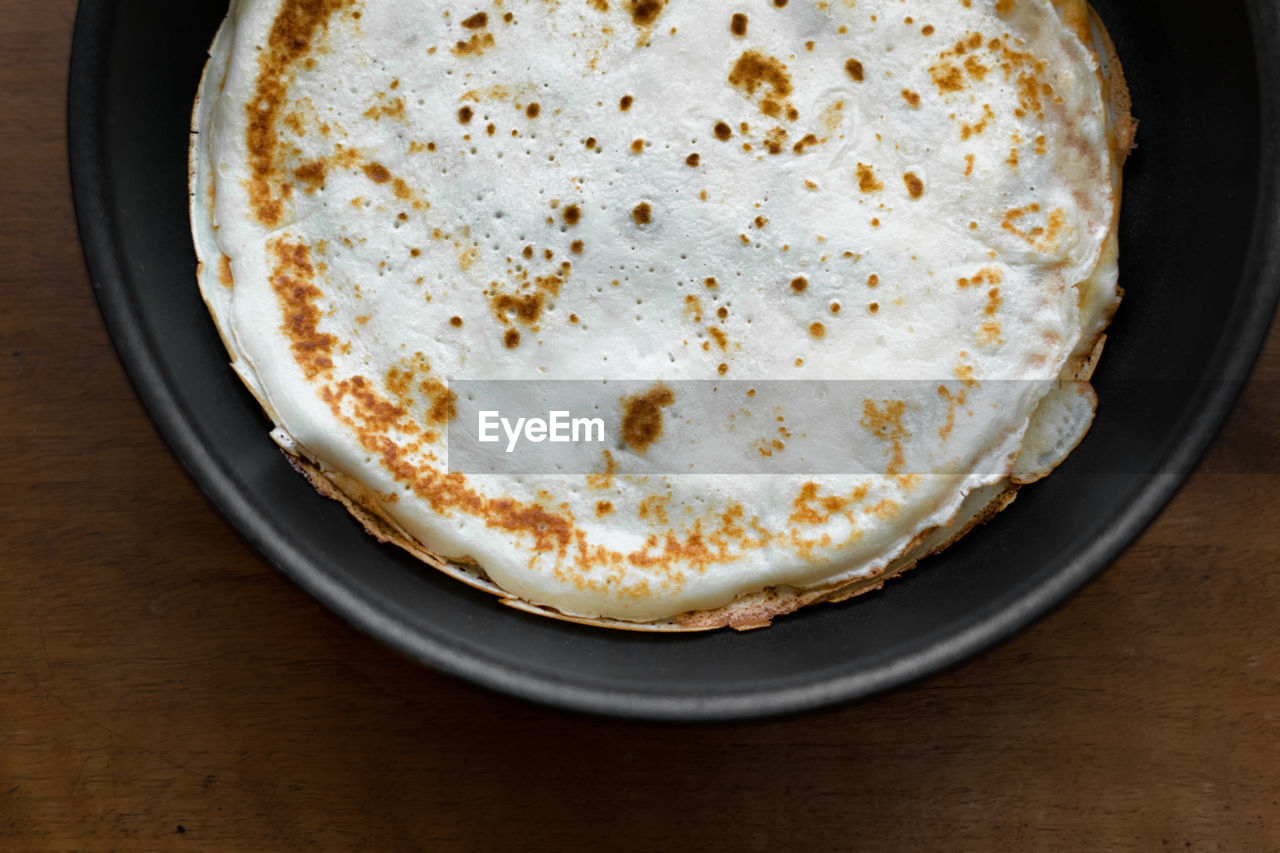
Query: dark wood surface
pixel 162 688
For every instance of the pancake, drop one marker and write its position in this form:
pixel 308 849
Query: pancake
pixel 391 200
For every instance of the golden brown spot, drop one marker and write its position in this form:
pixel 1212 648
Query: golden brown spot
pixel 974 67
pixel 722 312
pixel 642 214
pixel 722 368
pixel 625 103
pixel 968 165
pixel 476 21
pixel 927 30
pixel 867 181
pixel 456 322
pixel 915 186
pixel 576 247
pixel 835 307
pixel 710 282
pixel 780 3
pixel 572 214
pixel 377 173
pixel 911 97
pixel 886 424
pixel 723 131
pixel 692 160
pixel 293 280
pixel 290 39
pixel 474 46
pixel 738 24
pixel 526 307
pixel 755 71
pixel 947 77
pixel 312 174
pixel 637 145
pixel 808 140
pixel 444 403
pixel 775 140
pixel 873 280
pixel 224 271
pixel 511 339
pixel 799 284
pixel 603 508
pixel 817 330
pixel 464 115
pixel 854 68
pixel 642 416
pixel 532 110
pixel 873 307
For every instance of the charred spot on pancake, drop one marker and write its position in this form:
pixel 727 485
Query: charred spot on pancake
pixel 645 12
pixel 464 115
pixel 532 110
pixel 642 214
pixel 642 416
pixel 723 131
pixel 477 21
pixel 780 3
pixel 625 102
pixel 692 159
pixel 738 24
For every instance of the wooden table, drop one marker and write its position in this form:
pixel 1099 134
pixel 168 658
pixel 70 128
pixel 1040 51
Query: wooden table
pixel 162 688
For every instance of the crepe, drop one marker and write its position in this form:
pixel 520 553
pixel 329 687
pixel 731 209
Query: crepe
pixel 390 199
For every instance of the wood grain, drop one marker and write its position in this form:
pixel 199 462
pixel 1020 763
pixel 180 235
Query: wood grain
pixel 162 688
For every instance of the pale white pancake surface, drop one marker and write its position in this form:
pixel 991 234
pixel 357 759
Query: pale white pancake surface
pixel 392 196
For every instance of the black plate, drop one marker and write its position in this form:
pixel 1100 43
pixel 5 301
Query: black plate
pixel 1200 257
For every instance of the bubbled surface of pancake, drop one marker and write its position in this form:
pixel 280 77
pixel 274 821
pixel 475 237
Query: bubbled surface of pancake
pixel 408 194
